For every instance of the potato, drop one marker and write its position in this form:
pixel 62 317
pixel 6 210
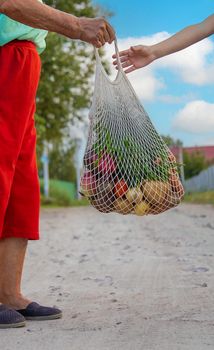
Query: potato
pixel 176 185
pixel 172 158
pixel 104 187
pixel 104 204
pixel 173 171
pixel 123 206
pixel 158 161
pixel 141 209
pixel 134 195
pixel 104 197
pixel 174 181
pixel 171 201
pixel 155 192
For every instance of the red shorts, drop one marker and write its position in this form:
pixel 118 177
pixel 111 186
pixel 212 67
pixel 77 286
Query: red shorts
pixel 19 183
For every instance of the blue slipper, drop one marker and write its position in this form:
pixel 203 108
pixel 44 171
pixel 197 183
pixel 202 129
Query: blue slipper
pixel 10 318
pixel 37 312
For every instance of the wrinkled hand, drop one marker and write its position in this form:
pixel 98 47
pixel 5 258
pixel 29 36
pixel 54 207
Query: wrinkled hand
pixel 134 58
pixel 96 31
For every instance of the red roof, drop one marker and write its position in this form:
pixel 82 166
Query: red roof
pixel 208 151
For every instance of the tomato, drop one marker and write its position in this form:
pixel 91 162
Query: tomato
pixel 120 188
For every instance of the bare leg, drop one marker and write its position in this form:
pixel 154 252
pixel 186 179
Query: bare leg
pixel 12 255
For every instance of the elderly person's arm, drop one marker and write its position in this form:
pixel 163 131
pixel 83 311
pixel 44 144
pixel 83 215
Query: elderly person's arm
pixel 139 56
pixel 95 31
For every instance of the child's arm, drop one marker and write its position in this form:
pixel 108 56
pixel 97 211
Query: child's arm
pixel 96 31
pixel 140 56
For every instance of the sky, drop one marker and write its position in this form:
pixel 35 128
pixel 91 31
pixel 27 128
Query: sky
pixel 177 90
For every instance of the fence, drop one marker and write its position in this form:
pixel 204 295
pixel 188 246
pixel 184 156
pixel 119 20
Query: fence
pixel 202 182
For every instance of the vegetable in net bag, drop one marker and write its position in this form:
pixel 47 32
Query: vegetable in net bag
pixel 128 168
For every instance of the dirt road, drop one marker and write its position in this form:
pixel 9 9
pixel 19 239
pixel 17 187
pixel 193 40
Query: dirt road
pixel 124 283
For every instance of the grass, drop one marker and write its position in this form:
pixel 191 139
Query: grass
pixel 200 197
pixel 73 203
pixel 83 202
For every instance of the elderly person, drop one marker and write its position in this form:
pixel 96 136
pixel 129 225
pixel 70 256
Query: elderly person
pixel 23 29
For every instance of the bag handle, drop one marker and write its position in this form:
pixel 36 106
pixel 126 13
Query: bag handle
pixel 98 59
pixel 117 56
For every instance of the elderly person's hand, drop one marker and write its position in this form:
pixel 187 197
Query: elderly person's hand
pixel 96 31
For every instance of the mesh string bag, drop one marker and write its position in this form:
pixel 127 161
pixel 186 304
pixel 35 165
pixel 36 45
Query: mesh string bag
pixel 127 167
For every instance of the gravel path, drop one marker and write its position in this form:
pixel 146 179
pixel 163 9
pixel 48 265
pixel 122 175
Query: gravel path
pixel 123 282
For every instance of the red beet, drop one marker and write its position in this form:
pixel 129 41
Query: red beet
pixel 90 159
pixel 88 184
pixel 106 165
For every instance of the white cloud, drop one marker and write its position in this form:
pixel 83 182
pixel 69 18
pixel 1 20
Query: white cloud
pixel 196 117
pixel 209 141
pixel 193 65
pixel 173 99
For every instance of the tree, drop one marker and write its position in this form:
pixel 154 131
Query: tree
pixel 194 163
pixel 67 70
pixel 61 162
pixel 171 142
pixel 64 91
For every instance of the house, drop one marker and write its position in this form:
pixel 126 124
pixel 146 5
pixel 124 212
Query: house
pixel 208 151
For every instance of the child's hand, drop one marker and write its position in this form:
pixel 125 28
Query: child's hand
pixel 134 58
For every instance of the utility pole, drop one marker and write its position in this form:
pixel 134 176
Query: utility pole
pixel 181 161
pixel 78 165
pixel 45 162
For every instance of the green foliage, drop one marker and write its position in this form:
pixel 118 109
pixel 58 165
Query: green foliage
pixel 200 197
pixel 57 197
pixel 80 8
pixel 194 163
pixel 65 87
pixel 61 193
pixel 40 127
pixel 61 164
pixel 170 141
pixel 135 162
